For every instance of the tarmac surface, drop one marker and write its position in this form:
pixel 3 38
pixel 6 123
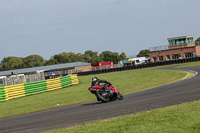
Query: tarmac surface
pixel 171 94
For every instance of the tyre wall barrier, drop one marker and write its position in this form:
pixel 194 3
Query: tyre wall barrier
pixel 35 87
pixel 2 94
pixel 26 89
pixel 151 64
pixel 74 79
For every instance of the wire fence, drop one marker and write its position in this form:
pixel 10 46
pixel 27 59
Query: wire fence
pixel 21 78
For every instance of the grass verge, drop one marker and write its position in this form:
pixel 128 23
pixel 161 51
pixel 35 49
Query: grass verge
pixel 183 118
pixel 190 64
pixel 125 82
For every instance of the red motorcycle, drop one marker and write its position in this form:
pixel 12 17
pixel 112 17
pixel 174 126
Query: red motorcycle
pixel 105 96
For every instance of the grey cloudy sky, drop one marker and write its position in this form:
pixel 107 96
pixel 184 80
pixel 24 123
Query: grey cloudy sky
pixel 49 27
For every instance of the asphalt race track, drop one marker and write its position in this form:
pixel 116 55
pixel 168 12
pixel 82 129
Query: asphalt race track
pixel 167 95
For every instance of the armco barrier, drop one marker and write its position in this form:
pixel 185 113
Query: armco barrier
pixel 26 89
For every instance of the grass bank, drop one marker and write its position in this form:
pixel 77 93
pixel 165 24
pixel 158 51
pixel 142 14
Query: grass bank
pixel 182 118
pixel 190 64
pixel 125 82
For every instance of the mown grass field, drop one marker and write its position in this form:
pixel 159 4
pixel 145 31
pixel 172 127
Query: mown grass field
pixel 125 82
pixel 191 64
pixel 183 118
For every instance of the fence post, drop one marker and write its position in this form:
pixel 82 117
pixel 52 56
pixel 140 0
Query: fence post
pixel 5 81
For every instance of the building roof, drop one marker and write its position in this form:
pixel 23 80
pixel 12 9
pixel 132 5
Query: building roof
pixel 45 68
pixel 181 37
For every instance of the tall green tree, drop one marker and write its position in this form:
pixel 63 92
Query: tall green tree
pixel 92 57
pixel 122 56
pixel 60 58
pixel 11 63
pixel 110 56
pixel 51 61
pixel 34 60
pixel 71 57
pixel 65 57
pixel 198 39
pixel 144 53
pixel 80 57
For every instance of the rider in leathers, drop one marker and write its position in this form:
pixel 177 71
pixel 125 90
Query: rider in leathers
pixel 96 81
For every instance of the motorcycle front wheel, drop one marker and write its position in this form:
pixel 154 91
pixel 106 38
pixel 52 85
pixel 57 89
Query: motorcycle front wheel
pixel 102 95
pixel 120 97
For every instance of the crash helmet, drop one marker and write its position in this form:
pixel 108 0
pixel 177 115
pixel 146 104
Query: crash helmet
pixel 94 79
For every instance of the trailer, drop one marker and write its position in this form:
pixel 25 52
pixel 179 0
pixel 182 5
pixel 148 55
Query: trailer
pixel 102 65
pixel 136 61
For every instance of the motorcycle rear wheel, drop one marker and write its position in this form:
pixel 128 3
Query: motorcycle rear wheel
pixel 101 95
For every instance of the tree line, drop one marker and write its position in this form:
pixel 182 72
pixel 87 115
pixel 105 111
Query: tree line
pixel 12 62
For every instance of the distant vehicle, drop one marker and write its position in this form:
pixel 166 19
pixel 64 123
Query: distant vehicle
pixel 1 79
pixel 102 65
pixel 136 61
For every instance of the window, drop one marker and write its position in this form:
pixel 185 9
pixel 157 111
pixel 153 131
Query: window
pixel 160 58
pixel 197 43
pixel 190 40
pixel 170 42
pixel 175 56
pixel 168 57
pixel 189 55
pixel 154 59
